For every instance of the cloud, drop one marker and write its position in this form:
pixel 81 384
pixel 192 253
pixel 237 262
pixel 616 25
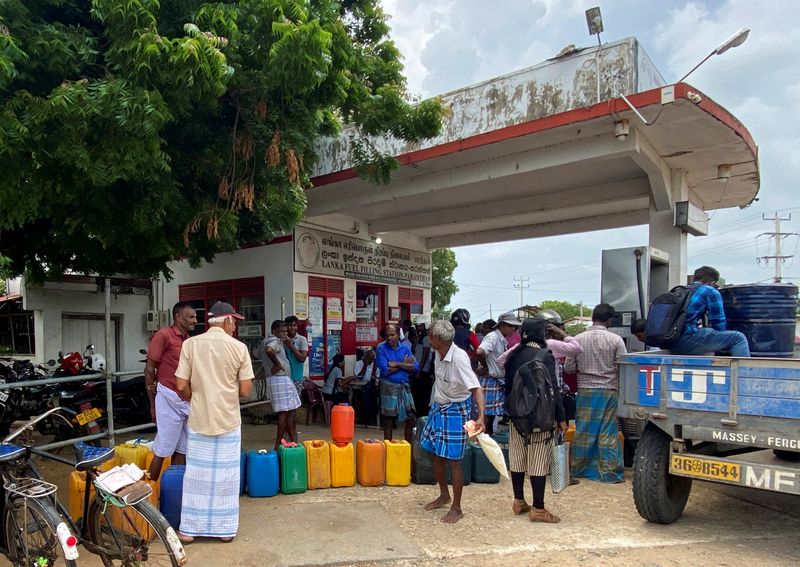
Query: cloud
pixel 450 44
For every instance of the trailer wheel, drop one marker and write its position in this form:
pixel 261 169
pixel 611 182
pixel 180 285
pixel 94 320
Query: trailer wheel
pixel 660 497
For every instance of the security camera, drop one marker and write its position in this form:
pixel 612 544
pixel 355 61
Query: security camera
pixel 621 129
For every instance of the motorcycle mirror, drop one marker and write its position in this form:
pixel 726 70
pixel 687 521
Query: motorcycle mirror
pixel 89 347
pixel 60 354
pixel 142 351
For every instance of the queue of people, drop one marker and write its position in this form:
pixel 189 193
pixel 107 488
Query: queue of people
pixel 466 377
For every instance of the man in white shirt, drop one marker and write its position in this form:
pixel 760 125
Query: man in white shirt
pixel 455 389
pixel 492 375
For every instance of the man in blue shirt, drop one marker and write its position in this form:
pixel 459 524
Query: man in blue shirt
pixel 706 300
pixel 396 363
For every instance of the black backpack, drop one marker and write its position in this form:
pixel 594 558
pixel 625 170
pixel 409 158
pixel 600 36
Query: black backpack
pixel 666 318
pixel 531 404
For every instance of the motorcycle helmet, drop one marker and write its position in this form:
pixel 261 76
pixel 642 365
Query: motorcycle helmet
pixel 549 316
pixel 460 317
pixel 97 361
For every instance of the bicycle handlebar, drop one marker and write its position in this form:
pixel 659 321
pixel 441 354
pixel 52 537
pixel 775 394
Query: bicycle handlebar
pixel 29 425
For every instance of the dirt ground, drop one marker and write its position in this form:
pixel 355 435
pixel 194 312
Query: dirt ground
pixel 387 526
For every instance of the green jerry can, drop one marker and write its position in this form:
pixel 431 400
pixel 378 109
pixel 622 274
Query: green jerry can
pixel 294 476
pixel 482 469
pixel 422 465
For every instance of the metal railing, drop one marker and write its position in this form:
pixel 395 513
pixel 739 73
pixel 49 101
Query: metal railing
pixel 109 379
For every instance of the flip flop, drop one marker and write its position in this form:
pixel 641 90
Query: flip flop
pixel 226 539
pixel 185 539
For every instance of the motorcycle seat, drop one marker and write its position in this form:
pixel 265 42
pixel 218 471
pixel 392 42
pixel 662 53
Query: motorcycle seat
pixel 88 457
pixel 9 452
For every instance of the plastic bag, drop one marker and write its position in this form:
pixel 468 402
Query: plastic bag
pixel 493 452
pixel 559 467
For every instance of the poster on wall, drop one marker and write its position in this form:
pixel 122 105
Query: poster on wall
pixel 317 359
pixel 334 314
pixel 316 338
pixel 366 332
pixel 334 343
pixel 318 252
pixel 301 305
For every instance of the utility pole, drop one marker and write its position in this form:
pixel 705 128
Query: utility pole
pixel 522 284
pixel 778 257
pixel 490 312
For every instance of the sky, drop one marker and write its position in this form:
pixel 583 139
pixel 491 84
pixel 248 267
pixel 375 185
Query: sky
pixel 450 44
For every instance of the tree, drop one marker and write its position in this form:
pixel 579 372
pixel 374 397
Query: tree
pixel 443 286
pixel 134 133
pixel 566 309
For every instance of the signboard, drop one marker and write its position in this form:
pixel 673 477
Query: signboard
pixel 301 305
pixel 318 252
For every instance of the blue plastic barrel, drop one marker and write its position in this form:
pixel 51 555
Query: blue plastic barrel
pixel 765 313
pixel 172 494
pixel 263 473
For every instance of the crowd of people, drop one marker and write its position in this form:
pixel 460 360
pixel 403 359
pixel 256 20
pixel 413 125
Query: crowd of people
pixel 461 378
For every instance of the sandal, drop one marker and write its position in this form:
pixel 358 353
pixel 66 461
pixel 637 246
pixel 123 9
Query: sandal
pixel 185 539
pixel 543 515
pixel 226 539
pixel 520 507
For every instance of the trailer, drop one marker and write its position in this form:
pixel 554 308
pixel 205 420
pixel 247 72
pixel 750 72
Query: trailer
pixel 718 419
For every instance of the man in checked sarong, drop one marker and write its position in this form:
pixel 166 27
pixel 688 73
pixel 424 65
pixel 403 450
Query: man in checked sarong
pixel 596 451
pixel 214 371
pixel 454 390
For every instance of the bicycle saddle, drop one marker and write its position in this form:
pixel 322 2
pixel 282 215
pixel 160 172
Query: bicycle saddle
pixel 9 452
pixel 87 456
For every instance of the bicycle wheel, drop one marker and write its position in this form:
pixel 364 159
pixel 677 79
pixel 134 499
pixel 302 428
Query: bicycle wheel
pixel 137 535
pixel 31 533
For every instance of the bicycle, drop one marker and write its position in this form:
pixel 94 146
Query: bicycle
pixel 122 527
pixel 33 532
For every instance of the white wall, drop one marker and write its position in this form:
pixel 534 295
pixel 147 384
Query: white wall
pixel 50 302
pixel 274 262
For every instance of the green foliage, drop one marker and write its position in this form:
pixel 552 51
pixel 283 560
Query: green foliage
pixel 575 330
pixel 443 285
pixel 134 133
pixel 566 309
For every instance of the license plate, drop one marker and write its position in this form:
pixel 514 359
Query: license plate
pixel 87 416
pixel 705 468
pixel 3 396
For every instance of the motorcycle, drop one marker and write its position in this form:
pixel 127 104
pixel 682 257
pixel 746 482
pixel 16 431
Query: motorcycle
pixel 129 397
pixel 22 403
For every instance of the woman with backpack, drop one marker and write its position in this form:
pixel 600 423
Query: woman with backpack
pixel 530 454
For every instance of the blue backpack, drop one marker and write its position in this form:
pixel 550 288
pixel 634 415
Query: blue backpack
pixel 666 318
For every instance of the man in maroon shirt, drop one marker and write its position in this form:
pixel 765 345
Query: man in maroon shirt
pixel 168 410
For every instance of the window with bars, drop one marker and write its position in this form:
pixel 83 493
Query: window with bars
pixel 410 301
pixel 245 294
pixel 16 328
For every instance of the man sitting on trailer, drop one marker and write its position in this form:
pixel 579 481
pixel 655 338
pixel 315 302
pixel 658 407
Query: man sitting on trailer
pixel 707 301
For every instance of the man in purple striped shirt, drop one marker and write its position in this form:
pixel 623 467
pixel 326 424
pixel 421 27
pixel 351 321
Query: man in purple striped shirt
pixel 596 451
